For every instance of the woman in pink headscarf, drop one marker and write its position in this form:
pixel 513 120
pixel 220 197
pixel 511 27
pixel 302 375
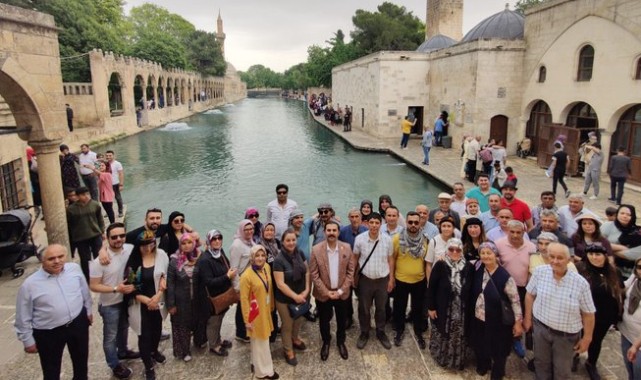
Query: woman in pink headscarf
pixel 239 257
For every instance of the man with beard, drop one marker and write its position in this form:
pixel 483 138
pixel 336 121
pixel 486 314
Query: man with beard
pixel 87 160
pixel 86 226
pixel 347 235
pixel 548 202
pixel 391 226
pixel 482 192
pixel 410 248
pixel 520 210
pixel 332 272
pixel 109 281
pixel 317 228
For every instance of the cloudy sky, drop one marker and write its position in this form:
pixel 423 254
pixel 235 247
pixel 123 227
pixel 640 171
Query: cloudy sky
pixel 276 33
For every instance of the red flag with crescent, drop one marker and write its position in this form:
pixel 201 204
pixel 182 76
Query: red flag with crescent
pixel 253 308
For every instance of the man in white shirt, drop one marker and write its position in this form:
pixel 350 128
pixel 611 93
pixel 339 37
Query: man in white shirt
pixel 569 212
pixel 279 209
pixel 117 178
pixel 459 199
pixel 471 153
pixel 88 160
pixel 109 281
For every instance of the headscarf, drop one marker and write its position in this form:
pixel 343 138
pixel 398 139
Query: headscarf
pixel 254 250
pixel 380 200
pixel 456 267
pixel 215 253
pixel 172 244
pixel 414 244
pixel 183 257
pixel 271 246
pixel 470 201
pixel 632 226
pixel 491 246
pixel 371 209
pixel 635 291
pixel 240 232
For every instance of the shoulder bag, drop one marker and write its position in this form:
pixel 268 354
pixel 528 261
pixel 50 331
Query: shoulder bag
pixel 357 274
pixel 224 300
pixel 507 314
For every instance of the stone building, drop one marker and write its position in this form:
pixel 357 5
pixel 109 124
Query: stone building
pixel 574 63
pixel 116 102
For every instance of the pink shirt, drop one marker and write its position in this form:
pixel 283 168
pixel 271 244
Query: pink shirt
pixel 515 260
pixel 106 188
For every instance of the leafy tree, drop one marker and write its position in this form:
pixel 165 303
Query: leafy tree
pixel 153 19
pixel 392 27
pixel 522 5
pixel 259 76
pixel 204 54
pixel 296 77
pixel 160 48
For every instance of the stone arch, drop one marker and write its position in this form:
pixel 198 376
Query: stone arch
pixel 628 135
pixel 499 128
pixel 540 114
pixel 160 92
pixel 114 90
pixel 581 115
pixel 169 90
pixel 140 89
pixel 23 98
pixel 150 92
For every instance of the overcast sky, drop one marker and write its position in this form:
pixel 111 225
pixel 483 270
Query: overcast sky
pixel 276 33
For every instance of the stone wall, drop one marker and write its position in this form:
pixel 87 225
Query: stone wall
pixel 444 17
pixel 80 97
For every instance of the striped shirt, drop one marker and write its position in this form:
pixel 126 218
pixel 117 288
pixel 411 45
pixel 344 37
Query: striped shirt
pixel 559 304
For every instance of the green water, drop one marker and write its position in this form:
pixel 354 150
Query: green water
pixel 212 167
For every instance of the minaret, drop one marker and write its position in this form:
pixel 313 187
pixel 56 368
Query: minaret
pixel 220 35
pixel 444 17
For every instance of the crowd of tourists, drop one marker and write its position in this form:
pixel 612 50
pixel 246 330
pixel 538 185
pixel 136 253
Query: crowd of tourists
pixel 321 105
pixel 483 273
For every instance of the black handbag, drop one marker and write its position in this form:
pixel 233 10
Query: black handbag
pixel 507 314
pixel 298 310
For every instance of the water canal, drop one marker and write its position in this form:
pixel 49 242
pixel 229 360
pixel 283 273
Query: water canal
pixel 214 165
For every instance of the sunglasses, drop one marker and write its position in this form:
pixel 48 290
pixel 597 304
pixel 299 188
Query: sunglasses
pixel 253 215
pixel 178 220
pixel 413 222
pixel 323 211
pixel 217 238
pixel 114 237
pixel 281 192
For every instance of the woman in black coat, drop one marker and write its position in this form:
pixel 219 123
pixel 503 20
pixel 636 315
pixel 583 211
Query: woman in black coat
pixel 214 278
pixel 447 300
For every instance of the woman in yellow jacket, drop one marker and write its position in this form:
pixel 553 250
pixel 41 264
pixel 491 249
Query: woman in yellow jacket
pixel 257 304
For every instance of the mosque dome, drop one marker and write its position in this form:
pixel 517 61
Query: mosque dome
pixel 507 25
pixel 436 42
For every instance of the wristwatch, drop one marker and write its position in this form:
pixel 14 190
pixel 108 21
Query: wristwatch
pixel 115 289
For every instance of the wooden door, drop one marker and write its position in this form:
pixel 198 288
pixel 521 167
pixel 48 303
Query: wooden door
pixel 635 153
pixel 498 129
pixel 548 134
pixel 418 114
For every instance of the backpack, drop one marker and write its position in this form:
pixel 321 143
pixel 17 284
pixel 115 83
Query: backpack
pixel 486 155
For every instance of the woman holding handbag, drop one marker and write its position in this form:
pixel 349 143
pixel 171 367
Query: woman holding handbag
pixel 257 300
pixel 293 286
pixel 215 277
pixel 497 313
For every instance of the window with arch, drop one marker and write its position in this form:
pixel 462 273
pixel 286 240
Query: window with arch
pixel 542 74
pixel 586 63
pixel 637 74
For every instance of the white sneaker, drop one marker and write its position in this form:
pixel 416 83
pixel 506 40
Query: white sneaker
pixel 593 197
pixel 187 358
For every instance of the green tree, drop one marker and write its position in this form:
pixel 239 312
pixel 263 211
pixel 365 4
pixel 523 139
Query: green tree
pixel 296 77
pixel 259 76
pixel 392 27
pixel 153 19
pixel 204 54
pixel 160 48
pixel 522 5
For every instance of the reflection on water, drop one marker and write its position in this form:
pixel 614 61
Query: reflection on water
pixel 215 165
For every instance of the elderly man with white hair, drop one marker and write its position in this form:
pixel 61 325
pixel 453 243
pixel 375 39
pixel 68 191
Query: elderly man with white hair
pixel 572 210
pixel 558 304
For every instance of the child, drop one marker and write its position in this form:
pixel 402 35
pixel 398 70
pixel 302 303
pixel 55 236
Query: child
pixel 499 175
pixel 510 175
pixel 611 213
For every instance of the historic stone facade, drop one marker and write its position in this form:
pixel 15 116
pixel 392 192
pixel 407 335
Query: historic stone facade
pixel 572 62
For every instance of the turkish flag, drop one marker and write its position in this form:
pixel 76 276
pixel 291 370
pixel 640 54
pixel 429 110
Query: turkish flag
pixel 253 308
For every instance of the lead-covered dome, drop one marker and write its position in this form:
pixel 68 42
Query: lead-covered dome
pixel 436 42
pixel 507 25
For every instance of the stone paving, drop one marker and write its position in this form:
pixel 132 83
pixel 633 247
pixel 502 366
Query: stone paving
pixel 374 362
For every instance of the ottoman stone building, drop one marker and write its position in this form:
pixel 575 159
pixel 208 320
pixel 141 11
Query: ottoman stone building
pixel 565 63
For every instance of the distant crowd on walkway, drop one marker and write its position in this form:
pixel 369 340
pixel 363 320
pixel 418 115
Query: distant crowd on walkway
pixel 321 105
pixel 483 272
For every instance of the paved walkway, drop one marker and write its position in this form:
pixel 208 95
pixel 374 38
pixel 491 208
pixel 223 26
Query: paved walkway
pixel 374 362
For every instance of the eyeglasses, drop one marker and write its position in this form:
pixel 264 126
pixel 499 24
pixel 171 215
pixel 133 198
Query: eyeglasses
pixel 253 215
pixel 281 192
pixel 217 238
pixel 178 220
pixel 452 249
pixel 323 211
pixel 413 222
pixel 114 237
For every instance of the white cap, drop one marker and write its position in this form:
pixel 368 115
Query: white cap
pixel 444 196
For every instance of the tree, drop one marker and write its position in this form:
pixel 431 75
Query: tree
pixel 259 76
pixel 391 28
pixel 522 5
pixel 153 19
pixel 160 48
pixel 204 54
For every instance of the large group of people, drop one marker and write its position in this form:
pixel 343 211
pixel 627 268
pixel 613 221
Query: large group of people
pixel 479 272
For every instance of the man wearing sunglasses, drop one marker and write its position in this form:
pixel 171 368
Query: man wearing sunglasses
pixel 279 210
pixel 325 215
pixel 109 281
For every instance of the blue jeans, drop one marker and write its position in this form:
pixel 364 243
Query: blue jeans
pixel 634 369
pixel 438 137
pixel 404 140
pixel 115 326
pixel 426 154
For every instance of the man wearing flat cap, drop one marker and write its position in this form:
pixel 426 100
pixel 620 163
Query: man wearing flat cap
pixel 444 203
pixel 520 210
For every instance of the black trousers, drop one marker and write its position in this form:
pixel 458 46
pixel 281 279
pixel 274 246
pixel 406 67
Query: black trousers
pixel 557 177
pixel 88 250
pixel 325 311
pixel 151 328
pixel 118 197
pixel 594 350
pixel 51 345
pixel 401 293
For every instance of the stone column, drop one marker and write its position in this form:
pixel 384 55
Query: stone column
pixel 53 200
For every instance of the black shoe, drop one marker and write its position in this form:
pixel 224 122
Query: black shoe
pixel 592 371
pixel 398 339
pixel 222 351
pixel 382 337
pixel 342 350
pixel 272 377
pixel 481 371
pixel 310 316
pixel 121 372
pixel 362 340
pixel 158 357
pixel 421 342
pixel 128 355
pixel 325 351
pixel 530 365
pixel 291 360
pixel 150 374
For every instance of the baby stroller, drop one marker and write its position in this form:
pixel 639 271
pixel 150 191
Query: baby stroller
pixel 16 241
pixel 523 148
